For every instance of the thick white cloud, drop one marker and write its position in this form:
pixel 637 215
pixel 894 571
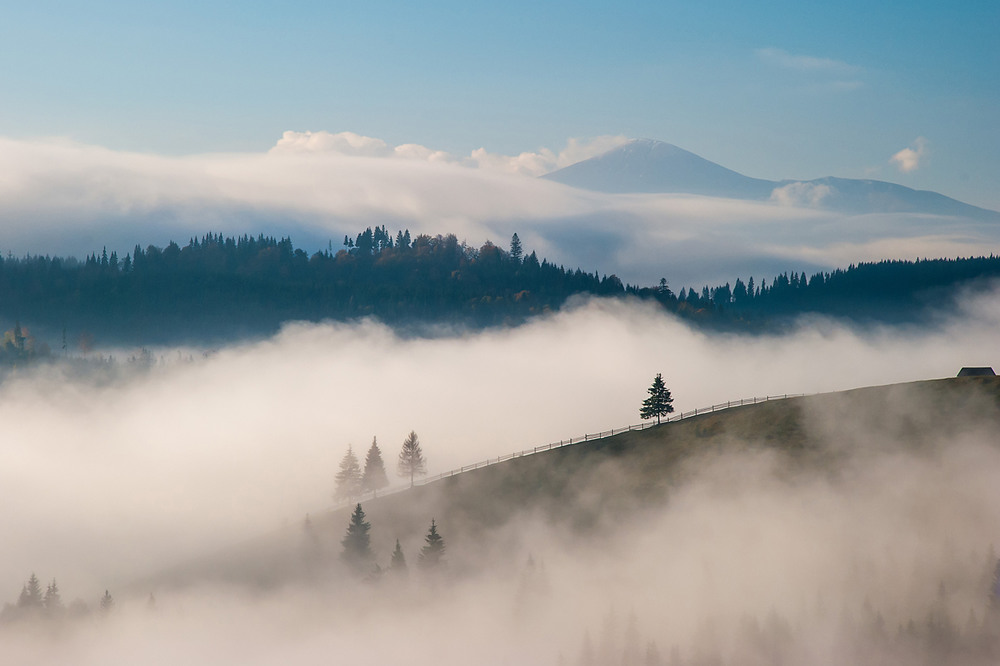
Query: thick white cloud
pixel 64 198
pixel 911 158
pixel 342 143
pixel 535 163
pixel 353 145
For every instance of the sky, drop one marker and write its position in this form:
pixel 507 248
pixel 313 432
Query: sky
pixel 790 90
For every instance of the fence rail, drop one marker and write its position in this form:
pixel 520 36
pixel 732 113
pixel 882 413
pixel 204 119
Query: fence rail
pixel 573 440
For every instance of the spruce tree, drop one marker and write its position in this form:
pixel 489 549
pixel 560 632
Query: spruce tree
pixel 107 603
pixel 397 564
pixel 515 249
pixel 357 543
pixel 658 403
pixel 349 477
pixel 53 600
pixel 374 477
pixel 411 458
pixel 31 594
pixel 432 554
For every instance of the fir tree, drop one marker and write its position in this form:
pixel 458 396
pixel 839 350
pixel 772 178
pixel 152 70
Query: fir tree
pixel 31 594
pixel 432 554
pixel 312 549
pixel 107 603
pixel 658 403
pixel 349 477
pixel 374 477
pixel 515 249
pixel 411 458
pixel 53 600
pixel 357 542
pixel 397 564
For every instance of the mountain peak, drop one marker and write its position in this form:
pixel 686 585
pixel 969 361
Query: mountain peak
pixel 648 165
pixel 651 166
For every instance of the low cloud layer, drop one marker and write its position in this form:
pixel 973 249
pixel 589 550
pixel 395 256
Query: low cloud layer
pixel 526 164
pixel 63 198
pixel 198 453
pixel 105 483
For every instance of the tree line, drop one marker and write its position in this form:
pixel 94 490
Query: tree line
pixel 220 287
pixel 357 553
pixel 883 291
pixel 224 286
pixel 33 604
pixel 354 481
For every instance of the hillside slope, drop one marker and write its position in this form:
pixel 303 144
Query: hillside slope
pixel 585 488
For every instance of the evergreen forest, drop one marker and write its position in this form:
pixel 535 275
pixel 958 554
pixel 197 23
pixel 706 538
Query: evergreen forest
pixel 218 288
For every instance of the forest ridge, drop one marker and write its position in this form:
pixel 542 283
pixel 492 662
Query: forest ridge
pixel 217 287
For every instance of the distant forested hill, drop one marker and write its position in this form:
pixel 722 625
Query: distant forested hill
pixel 892 291
pixel 216 287
pixel 219 288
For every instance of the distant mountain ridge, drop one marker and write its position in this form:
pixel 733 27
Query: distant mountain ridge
pixel 650 166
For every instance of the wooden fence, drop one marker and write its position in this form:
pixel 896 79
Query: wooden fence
pixel 573 440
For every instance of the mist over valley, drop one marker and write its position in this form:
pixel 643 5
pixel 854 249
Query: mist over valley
pixel 190 480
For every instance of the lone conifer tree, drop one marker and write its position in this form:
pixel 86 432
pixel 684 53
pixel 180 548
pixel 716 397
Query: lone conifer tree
pixel 349 476
pixel 432 554
pixel 357 542
pixel 107 603
pixel 411 458
pixel 374 477
pixel 658 403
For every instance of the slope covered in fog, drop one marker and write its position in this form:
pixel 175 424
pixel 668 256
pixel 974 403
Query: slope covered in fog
pixel 600 486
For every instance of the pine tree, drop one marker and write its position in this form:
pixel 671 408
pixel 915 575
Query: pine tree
pixel 374 477
pixel 515 249
pixel 658 403
pixel 397 564
pixel 31 594
pixel 349 477
pixel 432 554
pixel 357 542
pixel 312 548
pixel 411 458
pixel 107 603
pixel 53 600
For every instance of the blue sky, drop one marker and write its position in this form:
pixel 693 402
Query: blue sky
pixel 793 90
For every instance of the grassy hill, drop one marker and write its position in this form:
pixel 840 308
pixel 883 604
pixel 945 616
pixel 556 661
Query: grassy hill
pixel 585 487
